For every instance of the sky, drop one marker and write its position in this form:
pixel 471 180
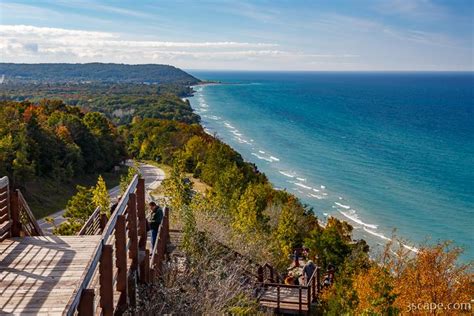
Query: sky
pixel 325 35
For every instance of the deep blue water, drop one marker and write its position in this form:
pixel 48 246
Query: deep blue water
pixel 380 150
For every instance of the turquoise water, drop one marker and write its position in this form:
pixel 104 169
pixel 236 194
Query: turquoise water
pixel 383 151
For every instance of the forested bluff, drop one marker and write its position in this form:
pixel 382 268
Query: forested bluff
pixel 58 129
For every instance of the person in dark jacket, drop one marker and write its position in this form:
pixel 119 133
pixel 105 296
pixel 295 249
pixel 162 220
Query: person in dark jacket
pixel 308 271
pixel 156 218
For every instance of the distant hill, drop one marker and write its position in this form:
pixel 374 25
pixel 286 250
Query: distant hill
pixel 96 72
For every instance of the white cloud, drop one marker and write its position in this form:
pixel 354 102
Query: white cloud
pixel 25 43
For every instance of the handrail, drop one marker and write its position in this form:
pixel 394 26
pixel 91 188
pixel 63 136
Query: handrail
pixel 106 234
pixel 311 289
pixel 120 209
pixel 283 285
pixel 92 223
pixel 27 216
pixel 5 215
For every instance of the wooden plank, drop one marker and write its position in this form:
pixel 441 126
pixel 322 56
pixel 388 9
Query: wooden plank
pixel 3 205
pixel 39 275
pixel 284 306
pixel 5 227
pixel 3 181
pixel 4 216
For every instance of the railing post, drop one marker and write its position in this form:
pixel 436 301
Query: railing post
pixel 159 252
pixel 313 285
pixel 106 281
pixel 167 223
pixel 15 214
pixel 133 248
pixel 132 231
pixel 121 261
pixel 278 299
pixel 260 274
pixel 318 280
pixel 86 305
pixel 103 221
pixel 300 299
pixel 142 233
pixel 157 256
pixel 141 213
pixel 145 267
pixel 308 296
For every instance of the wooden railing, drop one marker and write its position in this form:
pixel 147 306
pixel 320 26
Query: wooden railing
pixel 95 224
pixel 121 259
pixel 5 218
pixel 304 294
pixel 16 218
pixel 267 273
pixel 24 221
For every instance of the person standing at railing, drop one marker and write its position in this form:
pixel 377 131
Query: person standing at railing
pixel 156 219
pixel 308 271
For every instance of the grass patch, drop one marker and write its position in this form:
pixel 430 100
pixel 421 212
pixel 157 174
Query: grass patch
pixel 45 197
pixel 198 185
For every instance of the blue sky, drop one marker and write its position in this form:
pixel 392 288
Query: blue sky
pixel 244 35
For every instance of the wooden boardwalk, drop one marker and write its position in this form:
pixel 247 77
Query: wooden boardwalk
pixel 289 299
pixel 40 275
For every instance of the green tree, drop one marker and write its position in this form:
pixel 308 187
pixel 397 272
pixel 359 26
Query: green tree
pixel 101 197
pixel 23 169
pixel 178 190
pixel 79 208
pixel 287 229
pixel 249 216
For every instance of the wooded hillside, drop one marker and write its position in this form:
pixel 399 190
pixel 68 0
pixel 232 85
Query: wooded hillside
pixel 150 73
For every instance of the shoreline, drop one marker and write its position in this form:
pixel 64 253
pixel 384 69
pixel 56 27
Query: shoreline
pixel 374 239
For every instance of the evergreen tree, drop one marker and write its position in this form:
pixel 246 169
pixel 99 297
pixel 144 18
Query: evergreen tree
pixel 100 196
pixel 22 168
pixel 79 208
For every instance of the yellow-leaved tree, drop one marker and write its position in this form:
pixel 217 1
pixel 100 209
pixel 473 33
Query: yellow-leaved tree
pixel 100 196
pixel 434 276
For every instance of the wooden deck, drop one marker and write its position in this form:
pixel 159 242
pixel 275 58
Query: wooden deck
pixel 289 299
pixel 41 274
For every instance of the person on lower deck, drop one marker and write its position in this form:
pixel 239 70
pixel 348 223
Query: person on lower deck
pixel 156 219
pixel 308 271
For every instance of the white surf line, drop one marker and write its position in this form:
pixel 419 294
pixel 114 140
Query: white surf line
pixel 342 205
pixel 356 219
pixel 286 174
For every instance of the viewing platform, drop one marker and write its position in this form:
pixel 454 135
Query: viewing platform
pixel 96 272
pixel 41 274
